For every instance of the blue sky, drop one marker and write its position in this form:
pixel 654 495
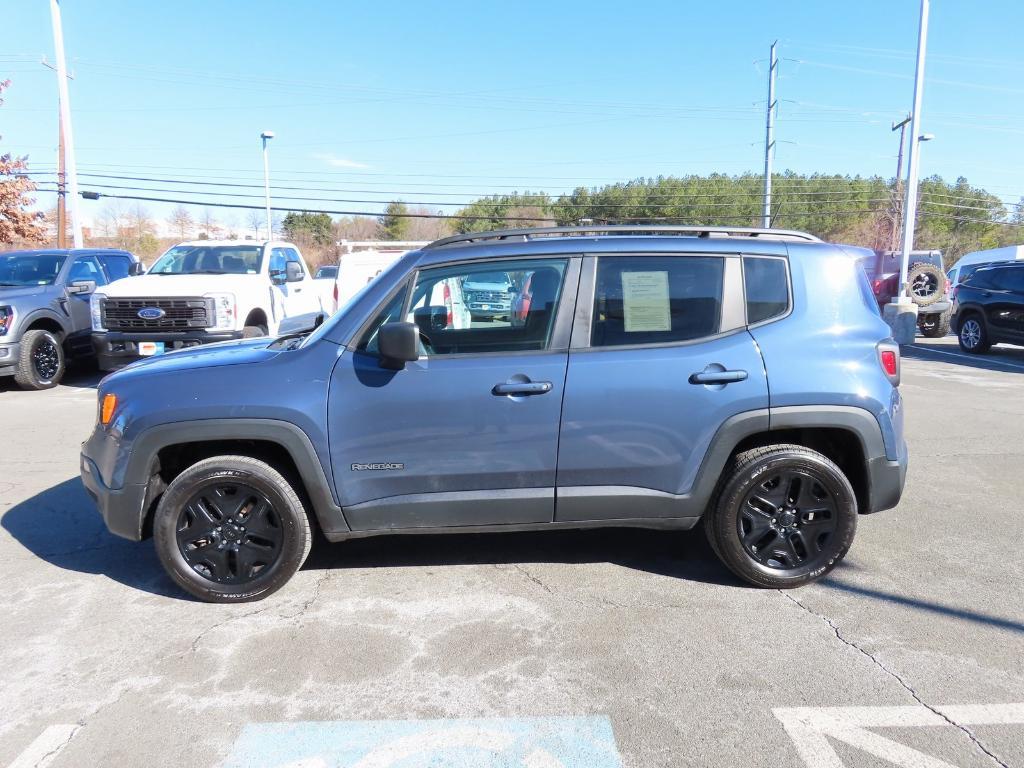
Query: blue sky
pixel 443 102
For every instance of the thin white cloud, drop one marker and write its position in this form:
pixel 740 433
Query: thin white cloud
pixel 338 162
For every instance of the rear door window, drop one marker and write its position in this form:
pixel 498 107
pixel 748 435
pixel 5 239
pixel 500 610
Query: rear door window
pixel 656 299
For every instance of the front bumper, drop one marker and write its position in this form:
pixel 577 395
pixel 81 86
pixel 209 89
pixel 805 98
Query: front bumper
pixel 115 349
pixel 9 358
pixel 123 510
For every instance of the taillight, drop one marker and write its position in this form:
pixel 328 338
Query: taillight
pixel 889 359
pixel 335 296
pixel 876 285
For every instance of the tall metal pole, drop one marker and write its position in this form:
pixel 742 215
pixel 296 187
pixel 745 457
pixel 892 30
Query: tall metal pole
pixel 65 118
pixel 62 191
pixel 902 125
pixel 910 206
pixel 769 139
pixel 267 135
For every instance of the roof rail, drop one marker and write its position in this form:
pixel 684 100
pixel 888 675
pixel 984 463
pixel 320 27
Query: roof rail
pixel 623 230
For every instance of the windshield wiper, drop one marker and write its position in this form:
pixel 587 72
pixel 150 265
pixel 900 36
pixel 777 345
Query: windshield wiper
pixel 10 285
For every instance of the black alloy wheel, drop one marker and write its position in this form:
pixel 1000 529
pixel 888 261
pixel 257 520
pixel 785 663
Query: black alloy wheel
pixel 787 520
pixel 46 359
pixel 229 533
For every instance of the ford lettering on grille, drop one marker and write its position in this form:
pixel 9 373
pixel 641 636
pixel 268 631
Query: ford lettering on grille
pixel 151 313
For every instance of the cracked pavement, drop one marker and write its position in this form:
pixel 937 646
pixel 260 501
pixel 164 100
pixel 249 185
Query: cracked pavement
pixel 642 626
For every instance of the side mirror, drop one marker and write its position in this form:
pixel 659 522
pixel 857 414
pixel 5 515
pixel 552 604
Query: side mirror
pixel 80 287
pixel 398 344
pixel 136 269
pixel 293 272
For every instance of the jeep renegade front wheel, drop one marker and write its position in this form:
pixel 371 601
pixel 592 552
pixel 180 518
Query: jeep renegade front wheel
pixel 231 529
pixel 785 516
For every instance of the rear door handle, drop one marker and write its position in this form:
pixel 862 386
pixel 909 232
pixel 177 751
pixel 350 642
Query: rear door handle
pixel 522 388
pixel 717 377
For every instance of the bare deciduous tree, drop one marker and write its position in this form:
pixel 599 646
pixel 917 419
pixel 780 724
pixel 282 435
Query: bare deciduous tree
pixel 181 222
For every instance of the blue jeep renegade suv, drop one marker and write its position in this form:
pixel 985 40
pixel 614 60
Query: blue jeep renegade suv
pixel 657 377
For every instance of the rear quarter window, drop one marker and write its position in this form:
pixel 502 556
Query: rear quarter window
pixel 766 285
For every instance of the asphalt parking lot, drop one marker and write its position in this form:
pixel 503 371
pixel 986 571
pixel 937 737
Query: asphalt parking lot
pixel 637 644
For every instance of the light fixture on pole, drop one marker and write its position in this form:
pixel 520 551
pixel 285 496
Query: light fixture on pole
pixel 267 136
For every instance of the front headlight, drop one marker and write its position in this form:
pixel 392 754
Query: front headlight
pixel 96 310
pixel 224 309
pixel 6 319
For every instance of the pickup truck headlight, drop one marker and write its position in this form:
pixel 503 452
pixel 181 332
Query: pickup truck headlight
pixel 96 310
pixel 6 319
pixel 224 310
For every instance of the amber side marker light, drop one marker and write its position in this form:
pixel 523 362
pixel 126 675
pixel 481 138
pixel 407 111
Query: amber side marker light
pixel 107 409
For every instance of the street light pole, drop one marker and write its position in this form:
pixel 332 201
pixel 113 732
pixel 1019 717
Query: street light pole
pixel 267 136
pixel 65 121
pixel 898 214
pixel 910 205
pixel 769 138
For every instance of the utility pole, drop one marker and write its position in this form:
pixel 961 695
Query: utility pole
pixel 68 148
pixel 62 191
pixel 910 206
pixel 266 136
pixel 769 138
pixel 902 125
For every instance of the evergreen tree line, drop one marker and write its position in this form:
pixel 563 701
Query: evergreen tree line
pixel 953 217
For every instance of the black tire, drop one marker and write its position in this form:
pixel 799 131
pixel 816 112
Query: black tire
pixel 41 362
pixel 935 325
pixel 198 504
pixel 253 331
pixel 797 543
pixel 972 335
pixel 926 283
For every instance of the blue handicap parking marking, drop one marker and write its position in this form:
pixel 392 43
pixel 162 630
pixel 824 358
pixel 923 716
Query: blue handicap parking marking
pixel 533 742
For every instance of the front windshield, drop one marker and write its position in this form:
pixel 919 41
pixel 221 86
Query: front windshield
pixel 30 268
pixel 497 278
pixel 210 260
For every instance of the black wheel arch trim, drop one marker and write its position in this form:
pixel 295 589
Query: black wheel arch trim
pixel 141 466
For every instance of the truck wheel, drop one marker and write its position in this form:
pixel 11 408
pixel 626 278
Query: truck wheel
pixel 40 361
pixel 972 336
pixel 253 331
pixel 784 517
pixel 231 529
pixel 925 283
pixel 935 326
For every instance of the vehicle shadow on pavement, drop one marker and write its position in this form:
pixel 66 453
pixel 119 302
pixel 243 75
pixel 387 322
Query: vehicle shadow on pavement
pixel 678 554
pixel 1000 359
pixel 62 527
pixel 926 605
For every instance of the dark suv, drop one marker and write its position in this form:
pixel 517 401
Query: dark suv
pixel 989 307
pixel 659 378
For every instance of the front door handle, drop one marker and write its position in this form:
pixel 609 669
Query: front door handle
pixel 522 388
pixel 717 377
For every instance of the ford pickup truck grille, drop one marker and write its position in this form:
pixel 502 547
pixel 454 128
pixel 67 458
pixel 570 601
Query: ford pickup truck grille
pixel 173 315
pixel 494 296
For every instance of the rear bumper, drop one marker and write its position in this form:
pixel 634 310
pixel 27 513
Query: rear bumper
pixel 935 309
pixel 115 349
pixel 886 479
pixel 121 509
pixel 9 358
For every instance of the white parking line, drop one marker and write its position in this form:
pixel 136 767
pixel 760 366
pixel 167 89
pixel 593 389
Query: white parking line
pixel 44 750
pixel 962 356
pixel 808 727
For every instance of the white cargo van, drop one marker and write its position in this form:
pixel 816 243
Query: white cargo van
pixel 969 262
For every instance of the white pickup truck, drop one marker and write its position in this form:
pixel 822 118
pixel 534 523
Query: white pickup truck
pixel 200 292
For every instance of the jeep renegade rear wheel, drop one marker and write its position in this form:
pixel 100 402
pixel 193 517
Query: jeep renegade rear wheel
pixel 231 529
pixel 785 516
